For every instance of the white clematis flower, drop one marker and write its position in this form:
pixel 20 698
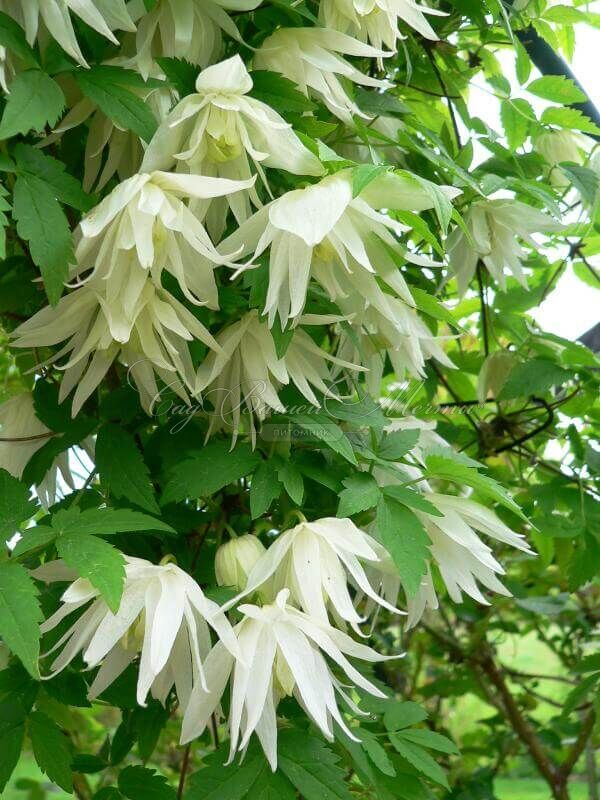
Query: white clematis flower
pixel 376 21
pixel 461 557
pixel 128 318
pixel 495 227
pixel 282 652
pixel 310 57
pixel 144 220
pixel 220 130
pixel 245 376
pixel 22 434
pixel 314 561
pixel 188 29
pixel 163 617
pixel 342 241
pixel 103 16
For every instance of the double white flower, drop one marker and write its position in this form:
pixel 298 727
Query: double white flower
pixel 309 57
pixel 244 377
pixel 342 241
pixel 314 561
pixel 495 226
pixel 103 16
pixel 377 21
pixel 163 617
pixel 220 130
pixel 187 29
pixel 121 309
pixel 282 652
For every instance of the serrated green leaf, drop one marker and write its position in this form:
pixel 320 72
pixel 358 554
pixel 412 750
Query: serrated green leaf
pixel 292 481
pixel 15 505
pixel 584 180
pixel 180 73
pixel 278 92
pixel 430 739
pixel 12 734
pixel 264 488
pixel 324 430
pixel 125 108
pixel 429 305
pixel 311 767
pixel 43 224
pixel 406 540
pixel 361 493
pixel 51 750
pixel 397 444
pixel 557 89
pixel 140 782
pixel 517 116
pixel 377 753
pixel 209 470
pixel 571 118
pixel 66 188
pixel 402 715
pixel 105 522
pixel 35 100
pixel 410 498
pixel 419 759
pixel 20 615
pixel 96 560
pixel 122 468
pixel 364 174
pixel 532 377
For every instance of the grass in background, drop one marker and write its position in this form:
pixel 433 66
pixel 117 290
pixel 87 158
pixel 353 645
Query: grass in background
pixel 533 789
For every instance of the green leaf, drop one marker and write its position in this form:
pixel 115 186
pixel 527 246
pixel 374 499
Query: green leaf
pixel 180 73
pixel 120 105
pixel 441 205
pixel 397 444
pixel 360 494
pixel 122 469
pixel 523 63
pixel 96 560
pixel 435 741
pixel 66 188
pixel 402 715
pixel 311 767
pixel 292 481
pixel 264 488
pixel 571 118
pixel 209 471
pixel 15 505
pixel 564 15
pixel 451 470
pixel 379 103
pixel 42 222
pixel 12 734
pixel 33 539
pixel 141 783
pixel 532 377
pixel 411 498
pixel 278 92
pixel 51 750
pixel 105 522
pixel 377 753
pixel 20 615
pixel 364 174
pixel 12 36
pixel 419 759
pixel 516 116
pixel 323 429
pixel 429 305
pixel 557 89
pixel 34 101
pixel 406 540
pixel 584 180
pixel 252 778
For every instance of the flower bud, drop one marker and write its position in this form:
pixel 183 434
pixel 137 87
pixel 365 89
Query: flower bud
pixel 235 560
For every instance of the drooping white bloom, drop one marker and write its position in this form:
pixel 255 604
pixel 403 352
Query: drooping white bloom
pixel 462 559
pixel 163 617
pixel 144 220
pixel 311 58
pixel 22 434
pixel 188 29
pixel 128 318
pixel 390 327
pixel 221 131
pixel 342 241
pixel 282 652
pixel 245 376
pixel 495 227
pixel 104 16
pixel 235 560
pixel 314 561
pixel 376 21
